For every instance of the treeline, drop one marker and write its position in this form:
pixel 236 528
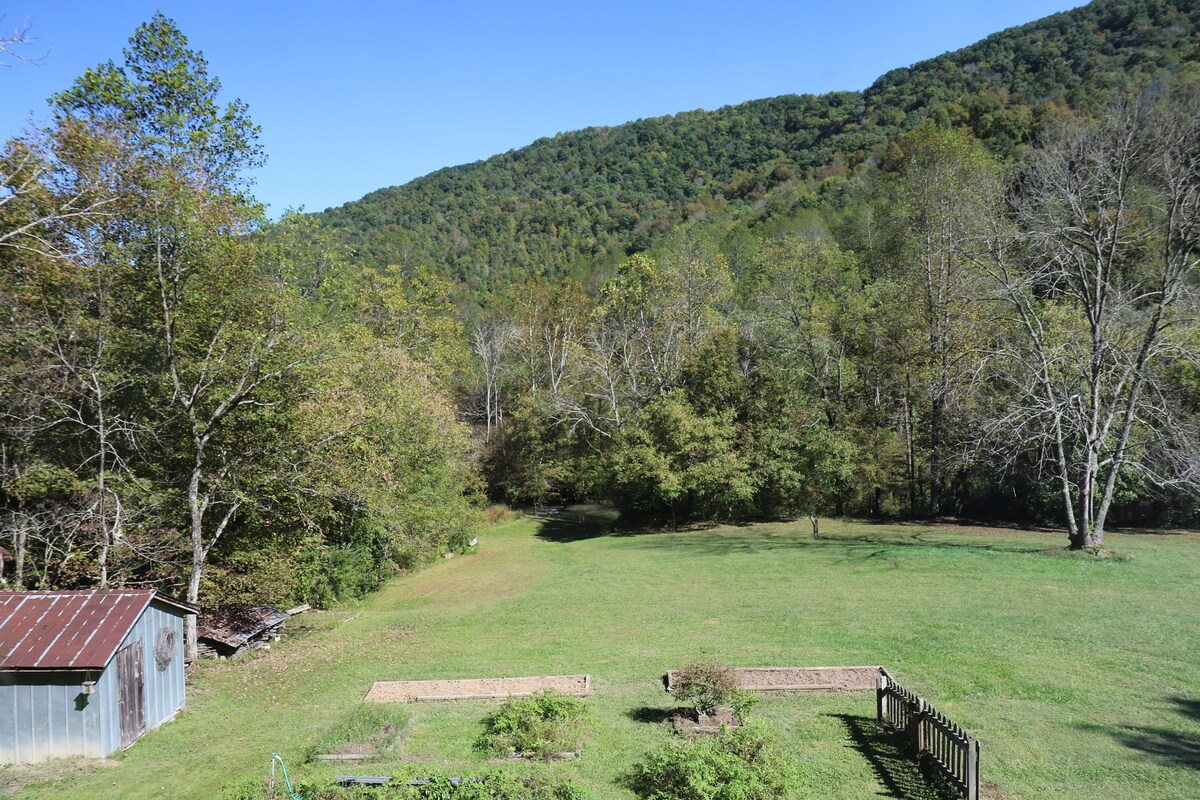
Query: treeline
pixel 192 398
pixel 568 204
pixel 964 335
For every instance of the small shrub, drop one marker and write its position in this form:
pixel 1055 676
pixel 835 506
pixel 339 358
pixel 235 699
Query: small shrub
pixel 540 725
pixel 491 785
pixel 741 764
pixel 741 702
pixel 499 515
pixel 706 685
pixel 497 785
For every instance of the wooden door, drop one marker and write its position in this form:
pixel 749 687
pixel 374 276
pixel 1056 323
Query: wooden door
pixel 131 703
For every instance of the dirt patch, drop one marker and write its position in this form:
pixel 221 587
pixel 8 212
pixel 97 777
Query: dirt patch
pixel 799 679
pixel 14 778
pixel 686 720
pixel 476 689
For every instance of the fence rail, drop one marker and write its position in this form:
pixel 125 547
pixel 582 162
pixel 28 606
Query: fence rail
pixel 940 743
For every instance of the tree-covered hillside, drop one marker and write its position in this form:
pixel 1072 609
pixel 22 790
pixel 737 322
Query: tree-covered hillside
pixel 593 196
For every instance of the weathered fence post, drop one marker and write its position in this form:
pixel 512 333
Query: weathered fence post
pixel 881 700
pixel 972 769
pixel 919 721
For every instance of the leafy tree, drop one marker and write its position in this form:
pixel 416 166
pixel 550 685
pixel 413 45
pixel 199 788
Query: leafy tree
pixel 678 461
pixel 945 197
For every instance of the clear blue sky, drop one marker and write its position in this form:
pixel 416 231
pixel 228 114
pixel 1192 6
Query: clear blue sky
pixel 354 96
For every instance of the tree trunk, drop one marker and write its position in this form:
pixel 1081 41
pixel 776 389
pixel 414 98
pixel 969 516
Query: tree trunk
pixel 935 455
pixel 1086 539
pixel 20 544
pixel 816 526
pixel 198 556
pixel 910 456
pixel 191 649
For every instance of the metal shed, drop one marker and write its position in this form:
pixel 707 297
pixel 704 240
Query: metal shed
pixel 86 673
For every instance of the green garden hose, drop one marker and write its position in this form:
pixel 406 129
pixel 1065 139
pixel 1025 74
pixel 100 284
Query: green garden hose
pixel 287 781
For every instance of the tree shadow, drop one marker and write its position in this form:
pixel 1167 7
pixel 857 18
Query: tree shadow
pixel 566 524
pixel 852 547
pixel 922 539
pixel 1152 531
pixel 898 773
pixel 1170 747
pixel 575 523
pixel 967 524
pixel 650 715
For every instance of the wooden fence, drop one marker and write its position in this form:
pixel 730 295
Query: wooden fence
pixel 940 744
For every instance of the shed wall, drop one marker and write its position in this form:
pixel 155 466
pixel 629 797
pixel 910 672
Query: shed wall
pixel 45 715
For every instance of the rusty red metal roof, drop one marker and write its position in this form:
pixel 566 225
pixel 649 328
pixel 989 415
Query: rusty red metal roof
pixel 68 630
pixel 234 627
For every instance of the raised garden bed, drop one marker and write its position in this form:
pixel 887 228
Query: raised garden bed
pixel 800 679
pixel 477 688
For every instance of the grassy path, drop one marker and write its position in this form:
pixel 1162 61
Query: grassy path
pixel 1080 677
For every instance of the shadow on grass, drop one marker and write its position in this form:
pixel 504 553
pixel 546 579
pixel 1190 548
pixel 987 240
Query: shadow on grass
pixel 582 522
pixel 576 523
pixel 1153 531
pixel 855 547
pixel 650 715
pixel 925 540
pixel 1170 747
pixel 579 522
pixel 900 776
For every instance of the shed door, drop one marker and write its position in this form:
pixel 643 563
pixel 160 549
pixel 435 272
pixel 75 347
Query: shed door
pixel 131 705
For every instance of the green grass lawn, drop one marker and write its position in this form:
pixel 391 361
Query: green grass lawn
pixel 1080 677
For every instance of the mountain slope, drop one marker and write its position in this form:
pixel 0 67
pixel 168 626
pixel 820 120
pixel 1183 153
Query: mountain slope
pixel 599 193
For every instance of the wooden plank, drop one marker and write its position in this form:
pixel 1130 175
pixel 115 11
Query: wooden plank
pixel 973 770
pixel 947 731
pixel 366 780
pixel 139 689
pixel 125 697
pixel 920 726
pixel 343 756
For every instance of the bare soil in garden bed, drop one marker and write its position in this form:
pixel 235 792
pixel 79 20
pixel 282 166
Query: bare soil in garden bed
pixel 789 679
pixel 686 720
pixel 476 688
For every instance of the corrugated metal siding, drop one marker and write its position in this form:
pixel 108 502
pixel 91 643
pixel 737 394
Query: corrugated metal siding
pixel 42 716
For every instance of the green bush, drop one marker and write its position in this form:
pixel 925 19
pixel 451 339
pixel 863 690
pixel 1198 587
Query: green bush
pixel 707 685
pixel 491 785
pixel 500 786
pixel 540 725
pixel 324 574
pixel 741 702
pixel 741 764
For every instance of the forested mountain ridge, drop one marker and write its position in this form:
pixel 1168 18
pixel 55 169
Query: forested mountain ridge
pixel 598 194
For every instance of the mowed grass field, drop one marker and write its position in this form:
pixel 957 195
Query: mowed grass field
pixel 1080 677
